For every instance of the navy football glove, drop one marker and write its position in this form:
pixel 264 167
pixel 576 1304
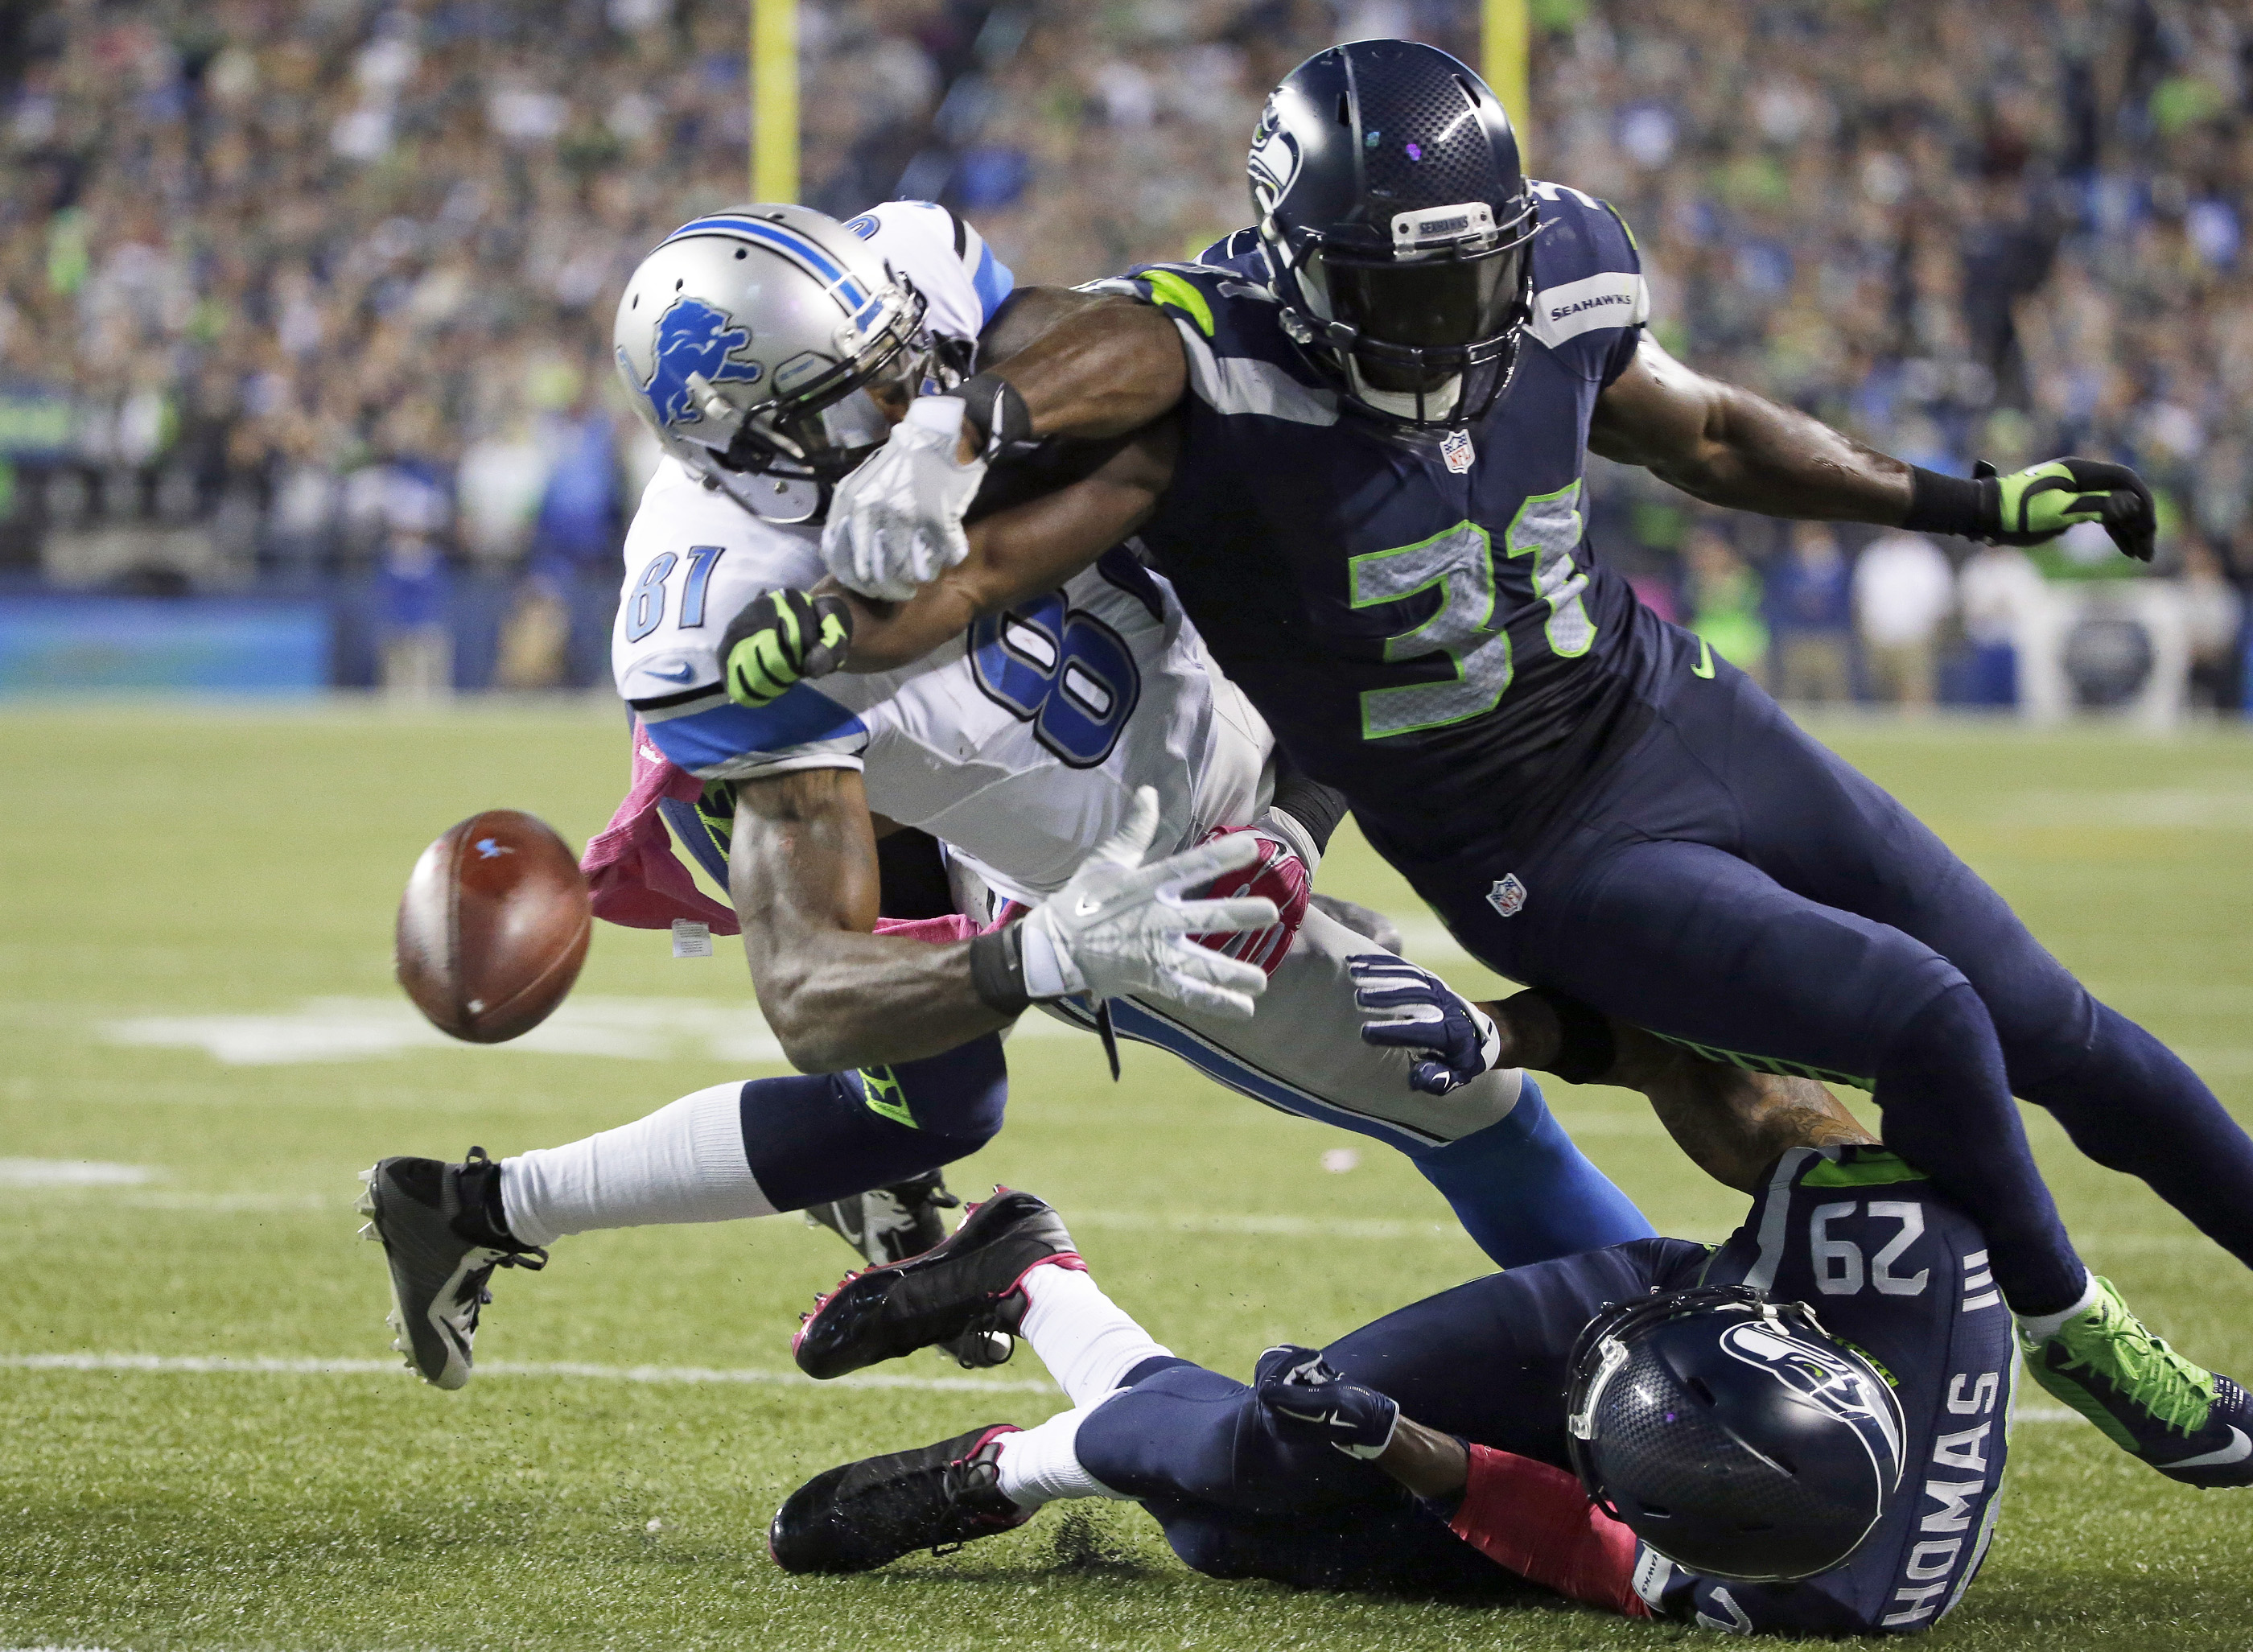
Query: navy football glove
pixel 1309 1397
pixel 1411 1008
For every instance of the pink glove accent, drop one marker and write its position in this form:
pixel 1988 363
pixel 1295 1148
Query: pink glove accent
pixel 1279 874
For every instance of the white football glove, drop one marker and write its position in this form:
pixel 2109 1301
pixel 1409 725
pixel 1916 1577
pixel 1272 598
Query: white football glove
pixel 1120 928
pixel 895 523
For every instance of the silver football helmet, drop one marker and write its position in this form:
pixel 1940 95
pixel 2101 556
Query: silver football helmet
pixel 758 344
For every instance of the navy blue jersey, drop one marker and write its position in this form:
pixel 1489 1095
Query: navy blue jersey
pixel 1892 1268
pixel 1417 613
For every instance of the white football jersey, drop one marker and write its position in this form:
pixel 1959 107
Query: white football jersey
pixel 1020 744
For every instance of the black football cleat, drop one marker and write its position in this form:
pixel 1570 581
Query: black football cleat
pixel 433 1219
pixel 861 1516
pixel 890 1224
pixel 964 1283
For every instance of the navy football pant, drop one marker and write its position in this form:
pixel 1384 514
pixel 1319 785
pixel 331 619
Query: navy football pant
pixel 1730 884
pixel 811 1138
pixel 1240 1498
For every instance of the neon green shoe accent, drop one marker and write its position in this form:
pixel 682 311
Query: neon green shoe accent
pixel 882 1091
pixel 2105 1352
pixel 1172 292
pixel 1867 1170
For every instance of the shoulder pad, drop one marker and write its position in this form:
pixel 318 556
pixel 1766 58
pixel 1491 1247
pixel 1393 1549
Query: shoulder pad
pixel 1587 276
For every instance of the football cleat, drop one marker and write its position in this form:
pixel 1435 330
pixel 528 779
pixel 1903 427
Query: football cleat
pixel 418 1209
pixel 861 1516
pixel 2187 1423
pixel 969 1282
pixel 890 1224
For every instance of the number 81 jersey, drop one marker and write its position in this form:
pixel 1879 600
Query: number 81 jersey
pixel 1020 743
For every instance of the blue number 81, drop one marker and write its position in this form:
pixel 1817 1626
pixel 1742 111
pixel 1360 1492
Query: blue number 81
pixel 1061 670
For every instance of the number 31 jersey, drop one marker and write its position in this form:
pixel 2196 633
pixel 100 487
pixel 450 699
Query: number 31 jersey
pixel 1417 613
pixel 1020 744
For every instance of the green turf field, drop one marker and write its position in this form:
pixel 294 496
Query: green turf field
pixel 194 944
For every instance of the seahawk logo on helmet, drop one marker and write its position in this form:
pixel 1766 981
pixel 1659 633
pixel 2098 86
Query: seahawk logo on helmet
pixel 693 336
pixel 1733 1435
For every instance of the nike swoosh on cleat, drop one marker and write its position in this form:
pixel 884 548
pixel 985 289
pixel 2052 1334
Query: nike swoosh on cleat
pixel 2236 1451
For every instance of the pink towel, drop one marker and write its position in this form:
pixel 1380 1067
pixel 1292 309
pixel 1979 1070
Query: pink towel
pixel 636 882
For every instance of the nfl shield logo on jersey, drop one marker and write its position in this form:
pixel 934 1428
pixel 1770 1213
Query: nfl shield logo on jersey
pixel 1507 896
pixel 1456 449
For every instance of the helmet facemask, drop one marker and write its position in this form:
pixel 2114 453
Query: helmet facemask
pixel 1428 334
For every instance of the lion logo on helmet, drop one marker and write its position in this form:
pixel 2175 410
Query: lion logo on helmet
pixel 694 337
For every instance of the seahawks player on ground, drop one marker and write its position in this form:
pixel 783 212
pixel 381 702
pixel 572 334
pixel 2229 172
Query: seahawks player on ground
pixel 1352 436
pixel 1801 1433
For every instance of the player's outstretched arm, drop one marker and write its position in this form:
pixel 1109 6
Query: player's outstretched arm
pixel 1079 365
pixel 1725 445
pixel 802 870
pixel 1020 552
pixel 784 637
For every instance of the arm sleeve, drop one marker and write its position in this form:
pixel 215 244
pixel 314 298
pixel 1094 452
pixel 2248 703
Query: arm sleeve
pixel 1536 1521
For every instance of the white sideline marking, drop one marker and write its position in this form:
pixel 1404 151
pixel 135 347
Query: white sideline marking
pixel 73 1173
pixel 330 1030
pixel 228 1365
pixel 1286 1227
pixel 207 1365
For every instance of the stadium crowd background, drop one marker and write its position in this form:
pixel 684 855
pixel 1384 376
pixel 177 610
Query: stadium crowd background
pixel 314 296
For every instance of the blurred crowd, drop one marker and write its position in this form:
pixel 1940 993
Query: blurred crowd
pixel 314 294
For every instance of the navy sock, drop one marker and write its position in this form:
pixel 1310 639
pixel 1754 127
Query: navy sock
pixel 1948 1111
pixel 1526 1193
pixel 813 1138
pixel 2132 1104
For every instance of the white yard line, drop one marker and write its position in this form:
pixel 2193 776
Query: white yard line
pixel 228 1365
pixel 222 1365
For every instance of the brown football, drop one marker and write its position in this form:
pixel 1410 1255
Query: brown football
pixel 494 927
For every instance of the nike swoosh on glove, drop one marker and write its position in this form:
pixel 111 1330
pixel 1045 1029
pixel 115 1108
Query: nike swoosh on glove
pixel 1411 1009
pixel 1304 1393
pixel 1120 928
pixel 1279 875
pixel 895 523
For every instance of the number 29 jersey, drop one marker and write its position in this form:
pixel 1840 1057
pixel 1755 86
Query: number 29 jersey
pixel 1417 613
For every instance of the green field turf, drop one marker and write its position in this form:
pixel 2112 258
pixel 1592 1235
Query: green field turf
pixel 195 982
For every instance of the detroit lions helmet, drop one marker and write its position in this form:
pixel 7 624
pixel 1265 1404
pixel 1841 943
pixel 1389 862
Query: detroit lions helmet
pixel 1398 227
pixel 1733 1435
pixel 755 343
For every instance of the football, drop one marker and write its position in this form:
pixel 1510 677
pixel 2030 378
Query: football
pixel 494 927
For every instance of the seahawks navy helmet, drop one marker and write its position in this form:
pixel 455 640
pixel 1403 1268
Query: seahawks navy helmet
pixel 1398 227
pixel 1733 1435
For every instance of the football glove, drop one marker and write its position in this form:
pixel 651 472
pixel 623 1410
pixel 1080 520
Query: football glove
pixel 895 523
pixel 1411 1008
pixel 1121 928
pixel 2041 502
pixel 780 638
pixel 1280 874
pixel 1308 1397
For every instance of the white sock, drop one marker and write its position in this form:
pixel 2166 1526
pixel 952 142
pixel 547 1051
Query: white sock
pixel 1042 1465
pixel 2040 1327
pixel 1087 1341
pixel 683 1163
